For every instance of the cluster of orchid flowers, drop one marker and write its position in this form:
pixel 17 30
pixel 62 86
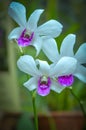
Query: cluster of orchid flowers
pixel 65 64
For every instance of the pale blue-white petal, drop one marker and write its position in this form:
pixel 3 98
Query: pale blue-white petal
pixel 27 64
pixel 80 73
pixel 67 45
pixel 44 67
pixel 65 66
pixel 33 19
pixel 50 49
pixel 18 12
pixel 81 54
pixel 31 84
pixel 51 28
pixel 37 43
pixel 15 33
pixel 56 87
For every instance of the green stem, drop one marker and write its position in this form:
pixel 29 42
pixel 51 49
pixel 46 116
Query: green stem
pixel 21 50
pixel 82 108
pixel 80 103
pixel 34 109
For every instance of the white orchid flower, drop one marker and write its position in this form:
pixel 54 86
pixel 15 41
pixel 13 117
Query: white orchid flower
pixel 66 50
pixel 42 73
pixel 28 33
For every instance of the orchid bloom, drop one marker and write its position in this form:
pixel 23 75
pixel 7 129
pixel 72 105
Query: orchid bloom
pixel 66 50
pixel 42 73
pixel 28 33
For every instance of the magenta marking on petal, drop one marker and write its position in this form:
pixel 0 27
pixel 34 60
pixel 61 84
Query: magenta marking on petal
pixel 44 87
pixel 66 80
pixel 25 39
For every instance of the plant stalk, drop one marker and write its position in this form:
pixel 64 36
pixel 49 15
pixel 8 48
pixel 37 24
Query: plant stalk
pixel 80 103
pixel 34 109
pixel 82 108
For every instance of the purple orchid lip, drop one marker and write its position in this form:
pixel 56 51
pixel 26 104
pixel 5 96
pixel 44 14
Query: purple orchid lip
pixel 25 39
pixel 44 86
pixel 66 80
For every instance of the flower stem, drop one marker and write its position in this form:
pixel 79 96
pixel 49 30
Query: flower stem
pixel 80 103
pixel 21 50
pixel 34 109
pixel 82 108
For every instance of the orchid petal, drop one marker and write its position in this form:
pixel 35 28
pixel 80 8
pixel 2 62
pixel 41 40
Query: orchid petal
pixel 67 45
pixel 15 33
pixel 66 80
pixel 81 54
pixel 50 49
pixel 65 66
pixel 56 87
pixel 81 73
pixel 18 12
pixel 33 19
pixel 27 64
pixel 51 28
pixel 31 84
pixel 43 92
pixel 43 67
pixel 37 43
